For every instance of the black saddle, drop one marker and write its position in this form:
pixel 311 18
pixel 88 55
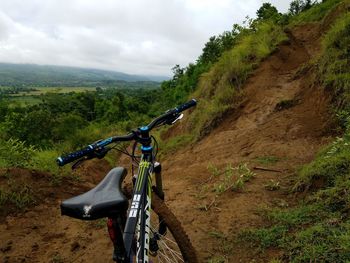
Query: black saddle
pixel 105 200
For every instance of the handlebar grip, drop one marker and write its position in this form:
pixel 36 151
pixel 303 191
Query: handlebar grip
pixel 62 160
pixel 186 106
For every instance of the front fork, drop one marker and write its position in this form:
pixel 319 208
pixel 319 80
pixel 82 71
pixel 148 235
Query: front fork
pixel 158 189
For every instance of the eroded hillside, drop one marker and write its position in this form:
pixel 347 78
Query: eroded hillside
pixel 283 120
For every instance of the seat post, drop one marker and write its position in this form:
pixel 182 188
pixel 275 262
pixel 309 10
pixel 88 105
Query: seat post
pixel 159 191
pixel 115 230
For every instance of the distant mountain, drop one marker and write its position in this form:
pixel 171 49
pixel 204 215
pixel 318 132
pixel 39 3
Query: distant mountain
pixel 38 75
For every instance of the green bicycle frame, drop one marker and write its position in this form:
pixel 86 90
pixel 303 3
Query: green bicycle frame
pixel 140 210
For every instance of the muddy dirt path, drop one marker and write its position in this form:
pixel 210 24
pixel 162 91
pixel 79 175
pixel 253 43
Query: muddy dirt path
pixel 280 126
pixel 260 130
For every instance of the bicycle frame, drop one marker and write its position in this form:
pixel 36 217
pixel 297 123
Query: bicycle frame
pixel 140 209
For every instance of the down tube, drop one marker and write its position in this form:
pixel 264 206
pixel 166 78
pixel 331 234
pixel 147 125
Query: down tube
pixel 145 219
pixel 137 208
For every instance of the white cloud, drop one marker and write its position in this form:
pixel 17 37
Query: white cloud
pixel 135 36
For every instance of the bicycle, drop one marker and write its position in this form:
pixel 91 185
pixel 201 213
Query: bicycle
pixel 129 226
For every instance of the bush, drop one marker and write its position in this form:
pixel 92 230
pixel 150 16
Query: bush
pixel 14 153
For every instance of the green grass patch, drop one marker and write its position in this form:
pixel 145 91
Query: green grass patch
pixel 14 153
pixel 306 233
pixel 264 237
pixel 315 13
pixel 43 90
pixel 334 63
pixel 231 178
pixel 24 101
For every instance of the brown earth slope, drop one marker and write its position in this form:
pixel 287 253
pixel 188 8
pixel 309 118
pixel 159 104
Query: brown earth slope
pixel 283 116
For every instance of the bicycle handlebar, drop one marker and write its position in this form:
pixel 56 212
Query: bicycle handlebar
pixel 186 105
pixel 92 149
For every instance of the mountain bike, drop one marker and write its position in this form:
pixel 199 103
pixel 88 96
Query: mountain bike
pixel 144 229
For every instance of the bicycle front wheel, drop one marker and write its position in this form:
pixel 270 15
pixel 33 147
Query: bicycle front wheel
pixel 172 246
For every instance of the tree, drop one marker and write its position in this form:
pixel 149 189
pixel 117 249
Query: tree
pixel 178 72
pixel 211 51
pixel 267 11
pixel 297 6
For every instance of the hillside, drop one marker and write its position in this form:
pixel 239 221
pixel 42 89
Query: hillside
pixel 258 172
pixel 37 75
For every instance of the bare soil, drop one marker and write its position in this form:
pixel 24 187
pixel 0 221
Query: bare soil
pixel 284 116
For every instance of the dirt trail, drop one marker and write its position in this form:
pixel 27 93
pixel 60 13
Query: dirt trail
pixel 260 128
pixel 291 135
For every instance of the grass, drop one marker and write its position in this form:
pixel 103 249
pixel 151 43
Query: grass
pixel 18 198
pixel 215 171
pixel 231 178
pixel 223 249
pixel 315 13
pixel 272 185
pixel 14 153
pixel 333 64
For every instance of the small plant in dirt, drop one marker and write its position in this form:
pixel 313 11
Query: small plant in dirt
pixel 217 259
pixel 57 258
pixel 233 178
pixel 203 192
pixel 213 170
pixel 272 185
pixel 223 249
pixel 267 160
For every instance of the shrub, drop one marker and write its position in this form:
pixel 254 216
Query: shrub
pixel 14 153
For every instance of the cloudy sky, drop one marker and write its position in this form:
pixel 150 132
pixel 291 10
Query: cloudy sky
pixel 132 36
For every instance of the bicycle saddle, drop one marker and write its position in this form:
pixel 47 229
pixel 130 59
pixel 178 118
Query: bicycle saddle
pixel 105 200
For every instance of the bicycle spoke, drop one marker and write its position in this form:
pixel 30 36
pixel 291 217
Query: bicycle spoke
pixel 172 251
pixel 167 259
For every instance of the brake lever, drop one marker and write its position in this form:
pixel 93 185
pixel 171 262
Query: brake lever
pixel 178 118
pixel 79 162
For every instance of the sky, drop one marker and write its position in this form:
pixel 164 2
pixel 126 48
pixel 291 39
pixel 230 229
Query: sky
pixel 145 37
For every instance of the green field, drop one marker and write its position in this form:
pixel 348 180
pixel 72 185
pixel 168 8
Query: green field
pixel 41 90
pixel 27 98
